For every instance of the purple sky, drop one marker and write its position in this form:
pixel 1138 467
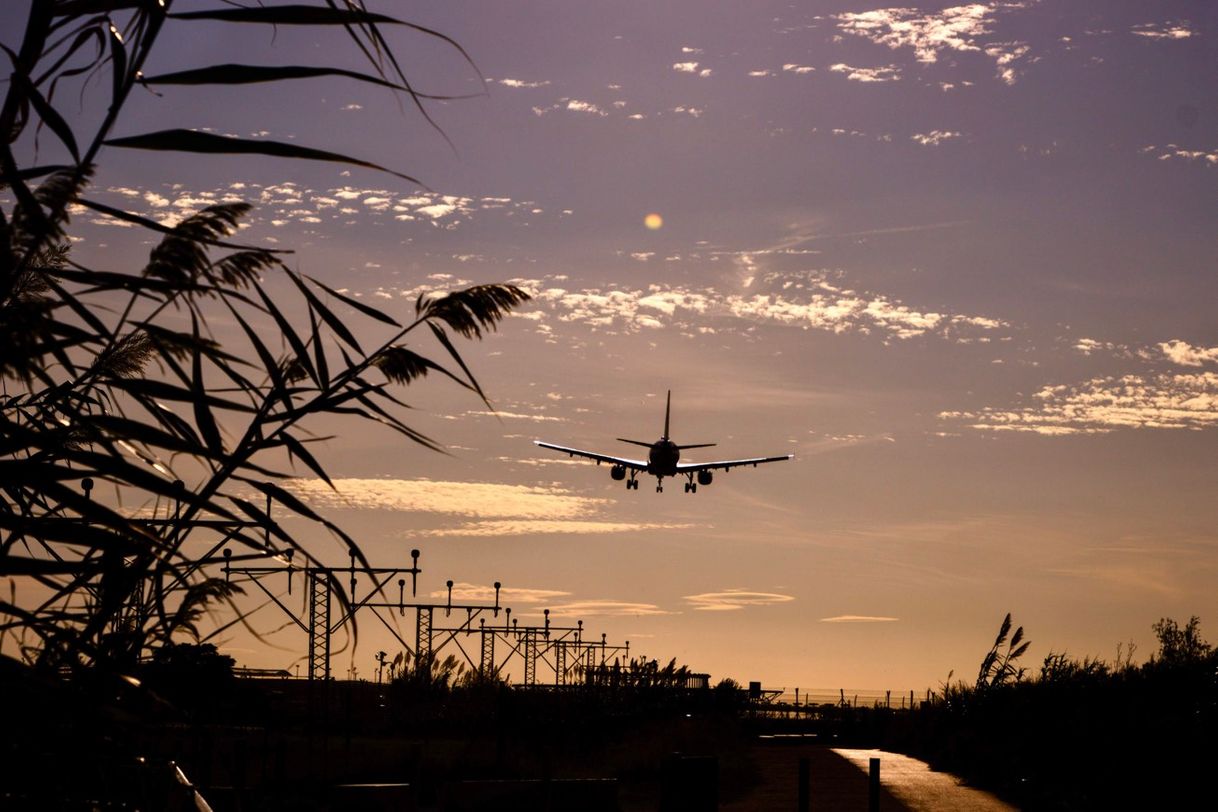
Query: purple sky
pixel 959 260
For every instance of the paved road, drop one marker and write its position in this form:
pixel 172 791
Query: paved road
pixel 839 783
pixel 919 788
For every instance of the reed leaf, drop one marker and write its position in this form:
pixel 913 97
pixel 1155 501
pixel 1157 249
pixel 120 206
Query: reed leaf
pixel 178 140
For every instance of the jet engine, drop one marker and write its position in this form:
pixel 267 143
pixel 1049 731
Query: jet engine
pixel 705 477
pixel 618 472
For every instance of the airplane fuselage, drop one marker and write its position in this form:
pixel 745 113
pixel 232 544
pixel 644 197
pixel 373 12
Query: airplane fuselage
pixel 663 457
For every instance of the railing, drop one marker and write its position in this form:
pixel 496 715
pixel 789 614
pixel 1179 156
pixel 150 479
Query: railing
pixel 847 697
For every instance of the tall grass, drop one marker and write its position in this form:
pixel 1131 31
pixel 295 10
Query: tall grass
pixel 116 378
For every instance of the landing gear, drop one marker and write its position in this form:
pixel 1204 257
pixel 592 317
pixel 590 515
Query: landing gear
pixel 659 487
pixel 691 486
pixel 632 484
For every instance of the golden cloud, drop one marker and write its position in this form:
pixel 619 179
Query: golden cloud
pixel 473 499
pixel 524 526
pixel 732 599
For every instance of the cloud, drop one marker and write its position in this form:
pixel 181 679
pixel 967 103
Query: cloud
pixel 953 29
pixel 520 83
pixel 536 418
pixel 1005 54
pixel 791 67
pixel 890 73
pixel 685 67
pixel 1174 152
pixel 730 600
pixel 859 619
pixel 288 203
pixel 1087 346
pixel 531 527
pixel 959 29
pixel 1165 401
pixel 508 596
pixel 605 608
pixel 577 106
pixel 934 138
pixel 1185 354
pixel 810 303
pixel 481 500
pixel 1166 30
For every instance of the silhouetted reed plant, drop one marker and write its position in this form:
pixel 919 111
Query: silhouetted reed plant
pixel 120 376
pixel 1078 733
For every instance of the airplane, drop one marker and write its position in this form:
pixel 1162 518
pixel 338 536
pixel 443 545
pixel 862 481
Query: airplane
pixel 663 459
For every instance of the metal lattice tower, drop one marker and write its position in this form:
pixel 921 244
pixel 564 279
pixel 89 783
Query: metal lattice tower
pixel 319 625
pixel 560 665
pixel 486 666
pixel 530 657
pixel 422 634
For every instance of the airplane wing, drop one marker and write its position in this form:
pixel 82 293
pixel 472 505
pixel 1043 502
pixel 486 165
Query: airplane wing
pixel 689 467
pixel 638 465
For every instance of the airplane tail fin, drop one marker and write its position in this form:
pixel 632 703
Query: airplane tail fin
pixel 667 410
pixel 634 442
pixel 696 445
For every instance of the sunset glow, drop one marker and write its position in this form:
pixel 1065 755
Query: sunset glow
pixel 953 259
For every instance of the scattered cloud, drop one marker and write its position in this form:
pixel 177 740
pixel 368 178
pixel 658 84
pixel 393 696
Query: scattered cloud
pixel 605 608
pixel 891 73
pixel 486 509
pixel 287 203
pixel 1179 29
pixel 959 29
pixel 521 83
pixel 1174 152
pixel 1185 354
pixel 808 303
pixel 934 138
pixel 1105 404
pixel 532 527
pixel 859 619
pixel 579 106
pixel 1005 55
pixel 471 499
pixel 508 596
pixel 692 67
pixel 730 600
pixel 791 67
pixel 535 418
pixel 1089 346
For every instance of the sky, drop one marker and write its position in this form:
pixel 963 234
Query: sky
pixel 958 259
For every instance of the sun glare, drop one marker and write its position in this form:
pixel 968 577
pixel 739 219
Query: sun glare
pixel 653 221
